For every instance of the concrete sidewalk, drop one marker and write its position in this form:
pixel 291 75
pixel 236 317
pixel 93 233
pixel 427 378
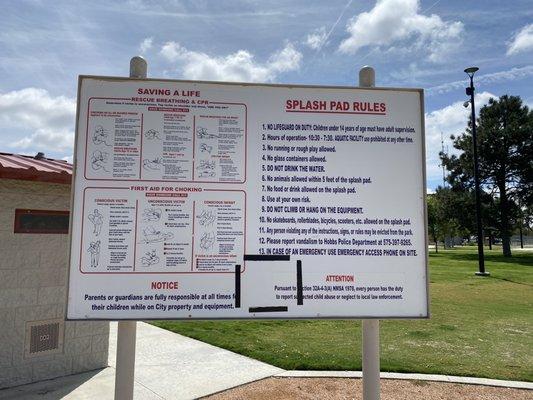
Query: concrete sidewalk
pixel 168 366
pixel 412 377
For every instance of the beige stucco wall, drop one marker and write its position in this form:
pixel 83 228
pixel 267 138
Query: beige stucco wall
pixel 33 281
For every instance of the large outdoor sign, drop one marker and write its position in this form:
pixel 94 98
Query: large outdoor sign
pixel 216 200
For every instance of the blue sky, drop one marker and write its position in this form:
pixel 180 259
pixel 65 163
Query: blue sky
pixel 45 45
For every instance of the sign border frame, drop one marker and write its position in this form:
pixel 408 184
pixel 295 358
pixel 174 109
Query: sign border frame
pixel 420 92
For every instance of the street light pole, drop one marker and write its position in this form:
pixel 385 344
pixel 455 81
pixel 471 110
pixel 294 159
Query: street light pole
pixel 470 91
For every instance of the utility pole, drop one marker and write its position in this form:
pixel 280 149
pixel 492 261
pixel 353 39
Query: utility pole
pixel 441 163
pixel 470 91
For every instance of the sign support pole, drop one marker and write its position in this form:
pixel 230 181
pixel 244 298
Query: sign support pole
pixel 127 330
pixel 371 383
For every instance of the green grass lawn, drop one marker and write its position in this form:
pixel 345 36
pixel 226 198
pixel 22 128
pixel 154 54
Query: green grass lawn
pixel 478 327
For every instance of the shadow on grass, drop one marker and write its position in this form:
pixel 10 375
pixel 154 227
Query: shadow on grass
pixel 522 259
pixel 511 281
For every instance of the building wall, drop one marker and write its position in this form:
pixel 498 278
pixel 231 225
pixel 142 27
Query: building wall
pixel 33 282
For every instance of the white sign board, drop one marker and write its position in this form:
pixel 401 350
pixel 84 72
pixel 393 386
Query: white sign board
pixel 215 200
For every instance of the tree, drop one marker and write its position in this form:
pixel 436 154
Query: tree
pixel 449 215
pixel 454 210
pixel 505 132
pixel 433 223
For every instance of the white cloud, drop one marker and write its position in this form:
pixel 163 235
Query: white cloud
pixel 522 41
pixel 413 73
pixel 46 139
pixel 287 59
pixel 500 76
pixel 146 45
pixel 450 120
pixel 46 121
pixel 393 23
pixel 172 51
pixel 317 38
pixel 239 66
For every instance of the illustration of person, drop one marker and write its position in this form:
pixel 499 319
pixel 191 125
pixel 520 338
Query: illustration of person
pixel 151 214
pixel 97 220
pixel 206 218
pixel 153 165
pixel 150 258
pixel 99 160
pixel 208 240
pixel 100 136
pixel 94 249
pixel 152 134
pixel 152 235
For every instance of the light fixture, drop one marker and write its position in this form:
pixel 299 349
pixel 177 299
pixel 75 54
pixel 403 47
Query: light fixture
pixel 471 71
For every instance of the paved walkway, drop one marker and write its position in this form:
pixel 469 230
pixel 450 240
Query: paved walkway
pixel 171 366
pixel 167 366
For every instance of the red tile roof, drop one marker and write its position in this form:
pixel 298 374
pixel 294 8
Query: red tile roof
pixel 42 169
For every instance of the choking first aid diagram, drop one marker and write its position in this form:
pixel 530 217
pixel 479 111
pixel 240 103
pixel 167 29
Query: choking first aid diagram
pixel 204 200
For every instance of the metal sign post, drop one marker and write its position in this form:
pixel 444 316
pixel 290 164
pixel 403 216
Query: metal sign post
pixel 125 368
pixel 127 330
pixel 371 384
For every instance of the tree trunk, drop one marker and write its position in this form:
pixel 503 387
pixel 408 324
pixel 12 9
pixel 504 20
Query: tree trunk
pixel 436 246
pixel 504 215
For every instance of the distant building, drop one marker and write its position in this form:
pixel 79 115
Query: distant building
pixel 36 342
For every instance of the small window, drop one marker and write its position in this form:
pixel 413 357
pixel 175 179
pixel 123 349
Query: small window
pixel 41 221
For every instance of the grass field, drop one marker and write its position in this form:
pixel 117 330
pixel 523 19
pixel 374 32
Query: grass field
pixel 479 327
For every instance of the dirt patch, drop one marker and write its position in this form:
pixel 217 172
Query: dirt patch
pixel 352 389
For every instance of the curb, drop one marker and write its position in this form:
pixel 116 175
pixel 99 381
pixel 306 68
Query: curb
pixel 419 377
